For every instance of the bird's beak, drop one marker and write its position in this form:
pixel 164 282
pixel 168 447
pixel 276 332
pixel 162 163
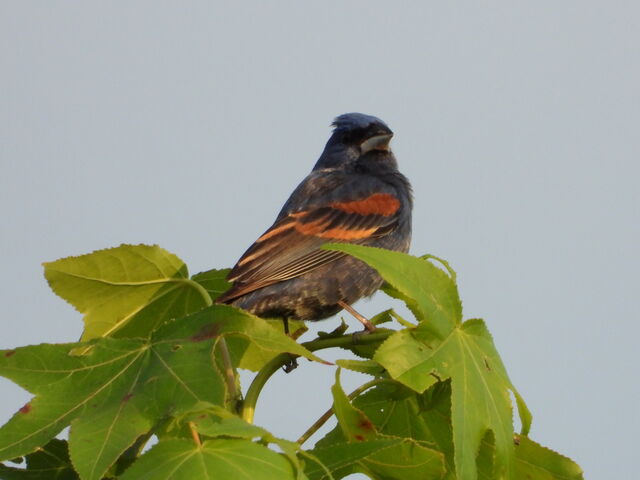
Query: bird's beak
pixel 379 142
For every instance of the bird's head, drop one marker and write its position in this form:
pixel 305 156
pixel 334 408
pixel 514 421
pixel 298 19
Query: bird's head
pixel 356 137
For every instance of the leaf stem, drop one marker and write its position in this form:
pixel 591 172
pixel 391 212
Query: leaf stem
pixel 194 434
pixel 277 362
pixel 329 413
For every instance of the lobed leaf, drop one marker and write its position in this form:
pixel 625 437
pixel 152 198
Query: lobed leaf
pixel 479 382
pixel 402 460
pixel 342 459
pixel 448 414
pixel 129 290
pixel 231 426
pixel 110 396
pixel 440 348
pixel 405 461
pixel 180 459
pixel 251 356
pixel 385 458
pixel 50 462
pixel 65 386
pixel 212 322
pixel 397 411
pixel 122 387
pixel 429 292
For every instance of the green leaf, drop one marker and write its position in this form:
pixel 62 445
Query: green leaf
pixel 479 382
pixel 441 348
pixel 266 340
pixel 354 424
pixel 363 366
pixel 429 292
pixel 385 458
pixel 110 396
pixel 229 427
pixel 50 462
pixel 341 459
pixel 219 458
pixel 128 290
pixel 214 281
pixel 101 435
pixel 399 412
pixel 405 461
pixel 535 462
pixel 232 426
pixel 251 356
pixel 409 360
pixel 123 386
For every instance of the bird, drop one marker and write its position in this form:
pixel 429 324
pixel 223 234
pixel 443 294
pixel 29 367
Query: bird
pixel 354 194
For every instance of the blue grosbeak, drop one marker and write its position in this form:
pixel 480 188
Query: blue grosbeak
pixel 354 194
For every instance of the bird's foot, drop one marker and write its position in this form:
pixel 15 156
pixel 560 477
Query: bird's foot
pixel 356 336
pixel 290 365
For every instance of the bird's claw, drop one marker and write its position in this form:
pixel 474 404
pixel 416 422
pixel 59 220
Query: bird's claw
pixel 291 365
pixel 356 336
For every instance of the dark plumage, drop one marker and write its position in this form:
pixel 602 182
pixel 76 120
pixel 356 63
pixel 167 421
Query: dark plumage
pixel 354 194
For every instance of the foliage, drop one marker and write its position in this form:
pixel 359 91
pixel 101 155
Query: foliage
pixel 158 359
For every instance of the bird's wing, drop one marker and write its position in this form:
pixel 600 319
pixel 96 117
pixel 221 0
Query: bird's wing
pixel 291 247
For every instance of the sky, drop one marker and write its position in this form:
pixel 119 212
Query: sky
pixel 188 124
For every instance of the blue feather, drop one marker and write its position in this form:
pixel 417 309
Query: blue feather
pixel 350 121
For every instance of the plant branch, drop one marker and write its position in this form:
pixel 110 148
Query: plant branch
pixel 277 362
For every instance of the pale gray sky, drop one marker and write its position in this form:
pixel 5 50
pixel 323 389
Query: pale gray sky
pixel 188 124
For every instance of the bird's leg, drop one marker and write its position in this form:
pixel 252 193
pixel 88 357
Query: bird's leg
pixel 370 327
pixel 292 364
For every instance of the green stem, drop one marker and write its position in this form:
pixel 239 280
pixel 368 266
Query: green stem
pixel 327 415
pixel 277 362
